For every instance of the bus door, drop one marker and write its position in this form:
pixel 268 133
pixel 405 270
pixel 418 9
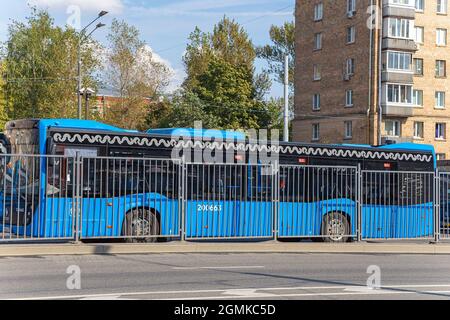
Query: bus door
pixel 256 211
pixel 214 193
pixel 57 212
pixel 379 204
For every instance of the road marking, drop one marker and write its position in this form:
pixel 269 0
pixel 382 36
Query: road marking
pixel 247 293
pixel 227 267
pixel 272 295
pixel 222 291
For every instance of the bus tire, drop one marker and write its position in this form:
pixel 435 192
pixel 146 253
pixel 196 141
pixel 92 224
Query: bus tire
pixel 141 225
pixel 335 227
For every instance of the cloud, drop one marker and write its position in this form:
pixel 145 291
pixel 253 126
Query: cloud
pixel 177 76
pixel 113 6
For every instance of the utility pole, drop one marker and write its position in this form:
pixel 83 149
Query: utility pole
pixel 82 36
pixel 286 99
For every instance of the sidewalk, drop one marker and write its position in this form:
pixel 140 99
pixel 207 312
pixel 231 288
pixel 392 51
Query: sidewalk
pixel 10 250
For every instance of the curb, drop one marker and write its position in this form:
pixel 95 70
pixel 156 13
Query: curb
pixel 23 250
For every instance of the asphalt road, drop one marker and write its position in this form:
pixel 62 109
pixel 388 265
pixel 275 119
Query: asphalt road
pixel 226 276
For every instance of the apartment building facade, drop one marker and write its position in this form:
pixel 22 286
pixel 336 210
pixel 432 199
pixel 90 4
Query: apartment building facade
pixel 369 71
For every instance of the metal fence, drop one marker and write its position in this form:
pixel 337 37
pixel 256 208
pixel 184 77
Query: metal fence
pixel 229 201
pixel 38 197
pixel 143 200
pixel 318 202
pixel 443 208
pixel 397 205
pixel 133 198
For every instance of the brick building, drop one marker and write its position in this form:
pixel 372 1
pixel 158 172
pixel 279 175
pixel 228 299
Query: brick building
pixel 351 69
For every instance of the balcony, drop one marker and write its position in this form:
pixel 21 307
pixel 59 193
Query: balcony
pixel 397 9
pixel 385 139
pixel 399 44
pixel 404 111
pixel 397 77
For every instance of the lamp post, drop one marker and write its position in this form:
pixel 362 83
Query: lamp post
pixel 87 93
pixel 81 38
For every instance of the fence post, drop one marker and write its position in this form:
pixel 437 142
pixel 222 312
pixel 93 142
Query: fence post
pixel 437 205
pixel 275 199
pixel 183 200
pixel 359 185
pixel 78 196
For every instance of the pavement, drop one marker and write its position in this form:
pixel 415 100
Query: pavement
pixel 224 276
pixel 42 249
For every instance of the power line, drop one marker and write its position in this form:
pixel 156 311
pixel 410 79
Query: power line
pixel 16 80
pixel 267 14
pixel 244 23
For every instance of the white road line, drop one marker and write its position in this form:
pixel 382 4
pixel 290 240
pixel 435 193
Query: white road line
pixel 272 295
pixel 222 291
pixel 227 267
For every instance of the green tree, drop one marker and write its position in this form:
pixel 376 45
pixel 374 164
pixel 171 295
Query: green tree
pixel 186 108
pixel 134 76
pixel 228 41
pixel 41 68
pixel 3 116
pixel 283 42
pixel 221 73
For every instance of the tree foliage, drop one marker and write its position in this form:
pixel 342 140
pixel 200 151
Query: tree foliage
pixel 228 41
pixel 3 116
pixel 283 42
pixel 133 75
pixel 40 66
pixel 221 75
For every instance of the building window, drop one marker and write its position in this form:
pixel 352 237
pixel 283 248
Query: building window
pixel 441 37
pixel 419 34
pixel 418 97
pixel 315 131
pixel 440 99
pixel 351 8
pixel 399 61
pixel 400 28
pixel 317 74
pixel 440 156
pixel 418 130
pixel 420 5
pixel 441 67
pixel 399 93
pixel 442 6
pixel 403 2
pixel 316 102
pixel 418 67
pixel 349 98
pixel 392 128
pixel 351 34
pixel 440 131
pixel 318 12
pixel 350 67
pixel 317 41
pixel 348 129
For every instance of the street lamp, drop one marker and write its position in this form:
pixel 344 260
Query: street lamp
pixel 87 93
pixel 81 38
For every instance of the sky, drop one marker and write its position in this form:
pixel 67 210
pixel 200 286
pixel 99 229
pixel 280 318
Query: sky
pixel 164 24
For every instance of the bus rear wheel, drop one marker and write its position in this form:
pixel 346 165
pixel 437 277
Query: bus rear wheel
pixel 335 227
pixel 141 225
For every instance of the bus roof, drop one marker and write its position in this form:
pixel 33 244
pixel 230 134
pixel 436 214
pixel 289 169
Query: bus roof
pixel 81 124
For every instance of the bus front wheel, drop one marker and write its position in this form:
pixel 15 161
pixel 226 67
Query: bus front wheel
pixel 141 225
pixel 335 227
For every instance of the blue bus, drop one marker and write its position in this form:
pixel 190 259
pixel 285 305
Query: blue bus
pixel 128 184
